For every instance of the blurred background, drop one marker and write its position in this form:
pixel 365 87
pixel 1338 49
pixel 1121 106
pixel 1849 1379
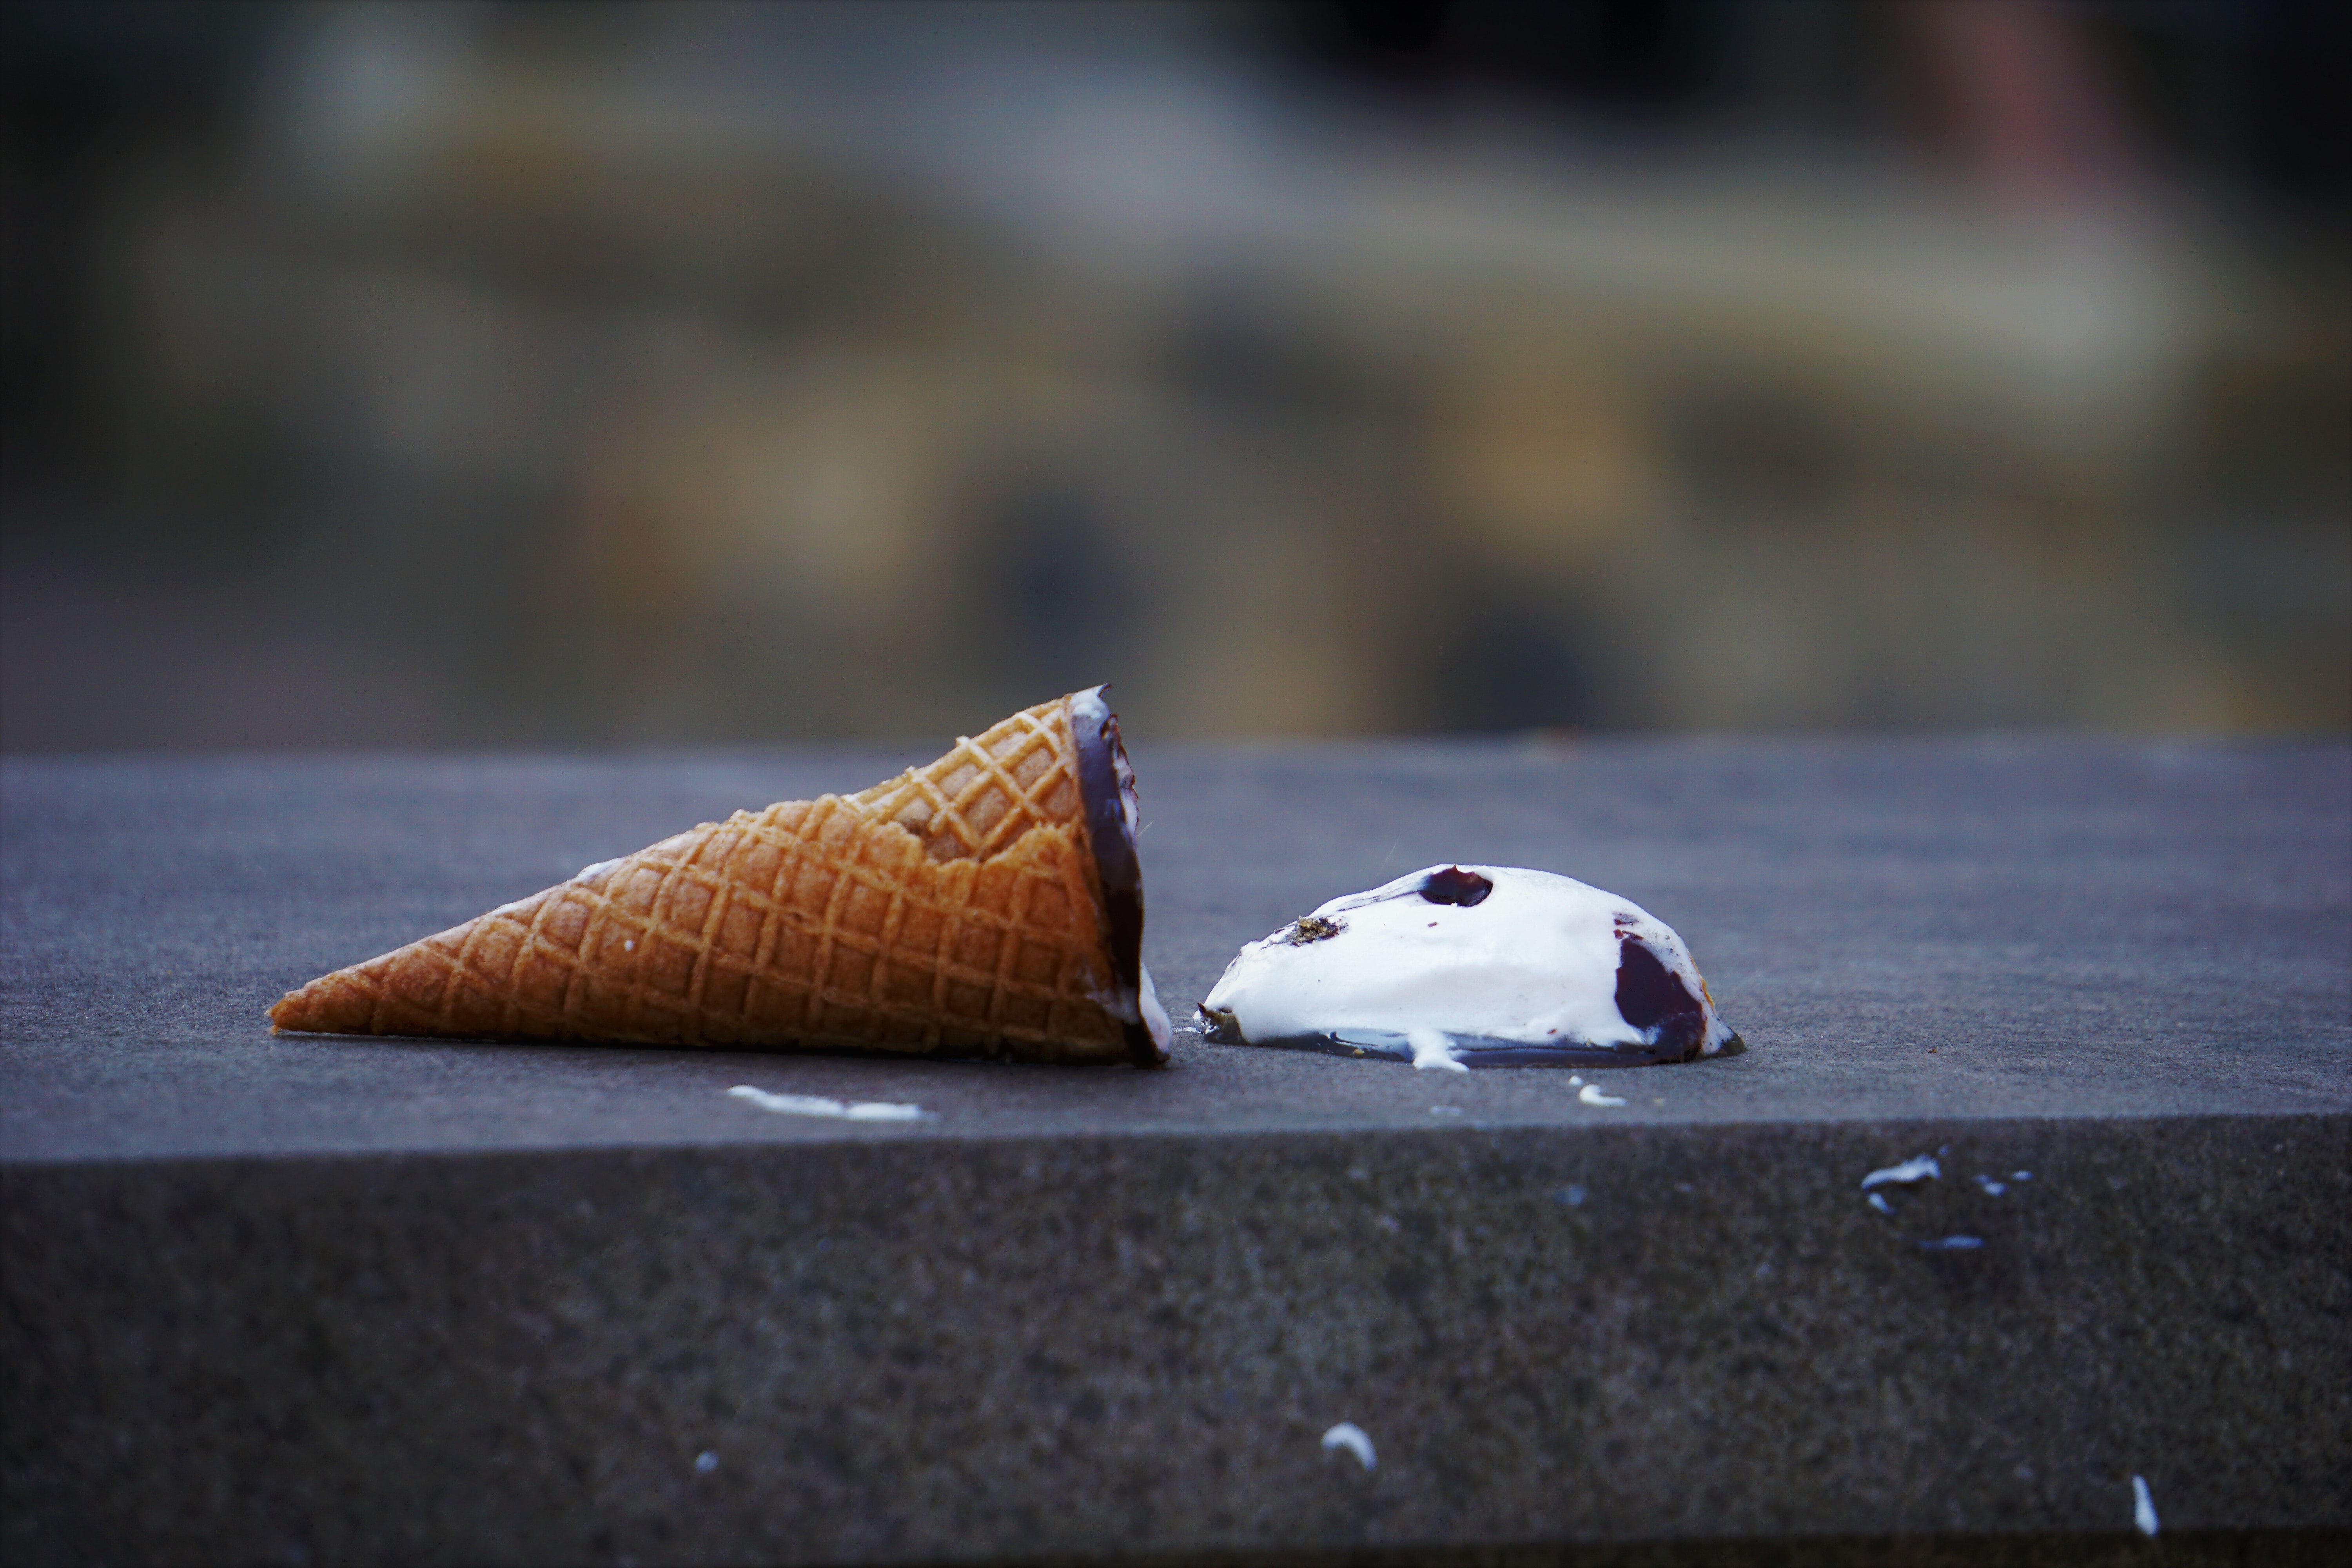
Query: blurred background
pixel 505 375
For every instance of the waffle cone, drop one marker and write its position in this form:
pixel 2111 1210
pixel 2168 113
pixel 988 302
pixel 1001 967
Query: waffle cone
pixel 985 905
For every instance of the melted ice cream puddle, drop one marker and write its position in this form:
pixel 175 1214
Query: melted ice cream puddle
pixel 1461 966
pixel 817 1105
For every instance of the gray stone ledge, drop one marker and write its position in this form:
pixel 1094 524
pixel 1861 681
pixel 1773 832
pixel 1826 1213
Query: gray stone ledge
pixel 328 1300
pixel 1094 1346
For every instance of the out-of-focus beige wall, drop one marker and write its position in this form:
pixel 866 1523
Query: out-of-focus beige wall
pixel 490 375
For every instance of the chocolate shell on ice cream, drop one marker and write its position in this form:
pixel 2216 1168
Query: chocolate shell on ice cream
pixel 1462 966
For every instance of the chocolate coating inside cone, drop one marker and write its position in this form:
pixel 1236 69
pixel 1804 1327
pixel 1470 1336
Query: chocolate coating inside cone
pixel 1107 781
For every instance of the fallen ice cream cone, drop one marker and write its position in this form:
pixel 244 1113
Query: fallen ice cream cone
pixel 987 905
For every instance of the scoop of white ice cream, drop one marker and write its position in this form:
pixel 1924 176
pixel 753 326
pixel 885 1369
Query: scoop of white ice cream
pixel 1473 965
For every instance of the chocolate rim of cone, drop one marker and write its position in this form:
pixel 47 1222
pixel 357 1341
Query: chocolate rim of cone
pixel 1106 785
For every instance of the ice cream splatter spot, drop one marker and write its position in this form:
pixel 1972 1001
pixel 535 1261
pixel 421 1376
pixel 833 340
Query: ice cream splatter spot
pixel 1445 1110
pixel 705 1462
pixel 2142 1505
pixel 1572 1194
pixel 817 1105
pixel 598 869
pixel 1953 1244
pixel 2021 1175
pixel 1348 1436
pixel 1878 1201
pixel 1993 1189
pixel 1919 1168
pixel 629 945
pixel 1591 1095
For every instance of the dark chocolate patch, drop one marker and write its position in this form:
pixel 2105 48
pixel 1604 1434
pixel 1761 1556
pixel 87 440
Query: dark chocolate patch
pixel 1220 1026
pixel 1107 786
pixel 1455 886
pixel 1650 996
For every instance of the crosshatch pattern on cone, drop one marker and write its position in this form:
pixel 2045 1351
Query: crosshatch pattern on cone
pixel 954 910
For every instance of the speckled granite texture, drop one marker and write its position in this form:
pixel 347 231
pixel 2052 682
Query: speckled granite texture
pixel 329 1301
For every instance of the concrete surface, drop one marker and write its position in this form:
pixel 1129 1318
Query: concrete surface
pixel 325 1300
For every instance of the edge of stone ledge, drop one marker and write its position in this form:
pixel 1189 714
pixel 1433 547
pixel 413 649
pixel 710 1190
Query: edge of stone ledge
pixel 819 1134
pixel 2320 1548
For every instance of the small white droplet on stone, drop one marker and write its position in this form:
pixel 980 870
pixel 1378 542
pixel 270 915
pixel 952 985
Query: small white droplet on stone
pixel 1591 1095
pixel 1919 1168
pixel 1348 1436
pixel 2143 1505
pixel 706 1461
